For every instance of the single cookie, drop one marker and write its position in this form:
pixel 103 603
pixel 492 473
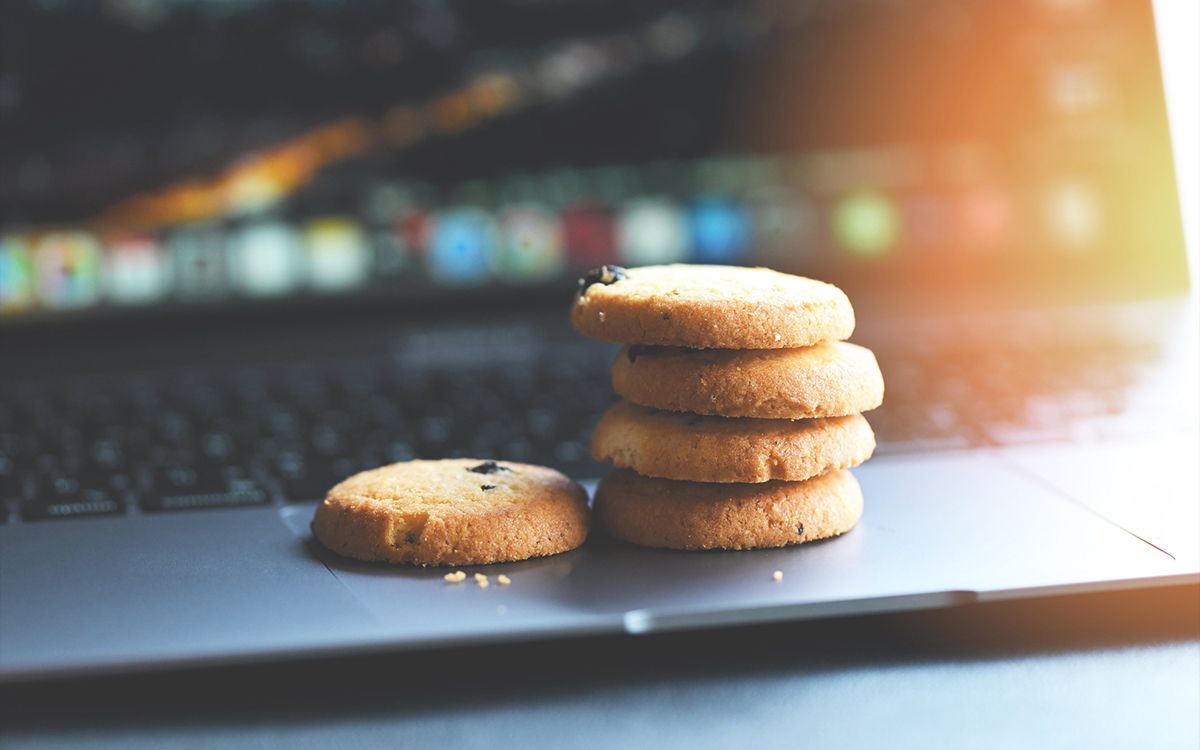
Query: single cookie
pixel 461 511
pixel 832 379
pixel 724 449
pixel 693 515
pixel 710 307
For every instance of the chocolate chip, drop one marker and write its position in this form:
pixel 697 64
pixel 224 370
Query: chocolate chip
pixel 666 316
pixel 606 275
pixel 800 530
pixel 488 467
pixel 486 487
pixel 412 537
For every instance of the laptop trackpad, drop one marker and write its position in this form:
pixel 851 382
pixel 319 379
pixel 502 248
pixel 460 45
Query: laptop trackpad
pixel 172 587
pixel 936 531
pixel 1149 486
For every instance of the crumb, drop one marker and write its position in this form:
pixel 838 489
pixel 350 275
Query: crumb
pixel 503 580
pixel 777 575
pixel 480 578
pixel 481 584
pixel 456 577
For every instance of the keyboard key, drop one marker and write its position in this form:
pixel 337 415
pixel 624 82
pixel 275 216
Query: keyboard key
pixel 239 493
pixel 185 479
pixel 79 504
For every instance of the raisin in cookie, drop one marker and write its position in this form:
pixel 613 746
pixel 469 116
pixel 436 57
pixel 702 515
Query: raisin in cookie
pixel 453 512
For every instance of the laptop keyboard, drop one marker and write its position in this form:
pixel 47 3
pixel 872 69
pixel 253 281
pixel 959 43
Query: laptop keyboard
pixel 940 399
pixel 178 441
pixel 159 442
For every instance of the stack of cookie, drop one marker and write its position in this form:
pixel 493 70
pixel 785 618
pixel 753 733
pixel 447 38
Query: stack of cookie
pixel 742 406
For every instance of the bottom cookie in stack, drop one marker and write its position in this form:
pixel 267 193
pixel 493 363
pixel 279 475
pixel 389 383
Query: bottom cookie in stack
pixel 673 514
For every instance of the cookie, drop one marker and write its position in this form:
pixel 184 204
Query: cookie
pixel 710 307
pixel 692 515
pixel 460 511
pixel 690 447
pixel 832 379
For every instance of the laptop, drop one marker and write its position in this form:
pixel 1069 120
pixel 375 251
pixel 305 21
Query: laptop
pixel 249 250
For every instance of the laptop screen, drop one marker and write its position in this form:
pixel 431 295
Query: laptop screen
pixel 191 155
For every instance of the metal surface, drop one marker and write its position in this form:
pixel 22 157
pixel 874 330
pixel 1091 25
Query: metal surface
pixel 155 591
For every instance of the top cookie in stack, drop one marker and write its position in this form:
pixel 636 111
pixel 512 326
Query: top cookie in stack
pixel 710 307
pixel 742 405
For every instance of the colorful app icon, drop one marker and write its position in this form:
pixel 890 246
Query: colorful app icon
pixel 987 218
pixel 265 259
pixel 785 225
pixel 533 243
pixel 866 224
pixel 929 222
pixel 389 256
pixel 68 269
pixel 1076 87
pixel 590 236
pixel 16 275
pixel 720 231
pixel 1073 216
pixel 414 232
pixel 197 260
pixel 136 271
pixel 338 256
pixel 652 231
pixel 462 246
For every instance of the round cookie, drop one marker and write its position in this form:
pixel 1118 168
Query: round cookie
pixel 693 448
pixel 692 515
pixel 710 307
pixel 460 511
pixel 832 379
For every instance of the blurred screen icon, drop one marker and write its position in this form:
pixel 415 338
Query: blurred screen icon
pixel 198 262
pixel 784 224
pixel 929 222
pixel 720 231
pixel 338 256
pixel 68 269
pixel 136 271
pixel 1073 216
pixel 589 235
pixel 533 243
pixel 16 275
pixel 866 223
pixel 1075 88
pixel 265 259
pixel 987 218
pixel 462 246
pixel 413 231
pixel 389 255
pixel 652 231
pixel 1068 6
